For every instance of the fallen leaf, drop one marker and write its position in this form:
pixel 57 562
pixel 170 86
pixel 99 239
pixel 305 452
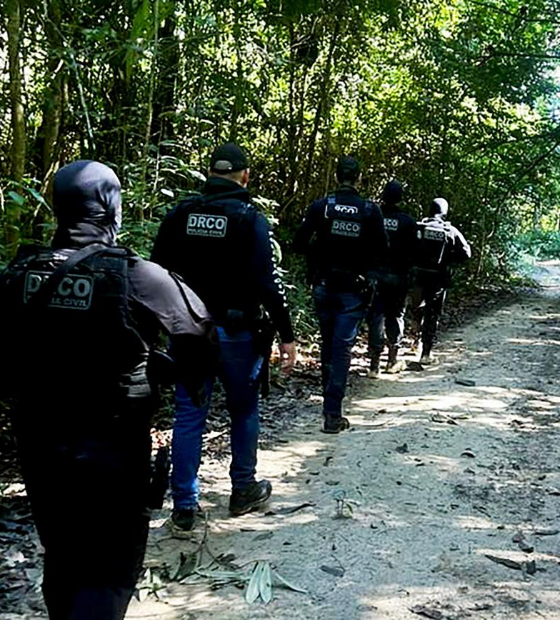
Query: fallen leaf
pixel 287 584
pixel 526 547
pixel 187 565
pixel 441 418
pixel 288 510
pixel 505 562
pixel 265 583
pixel 252 592
pixel 427 612
pixel 333 570
pixel 466 382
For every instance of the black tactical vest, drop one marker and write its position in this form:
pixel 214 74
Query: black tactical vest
pixel 433 235
pixel 342 238
pixel 217 252
pixel 77 337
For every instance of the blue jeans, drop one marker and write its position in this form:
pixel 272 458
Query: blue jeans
pixel 339 314
pixel 238 358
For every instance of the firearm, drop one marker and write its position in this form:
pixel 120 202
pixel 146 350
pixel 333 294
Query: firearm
pixel 263 337
pixel 159 479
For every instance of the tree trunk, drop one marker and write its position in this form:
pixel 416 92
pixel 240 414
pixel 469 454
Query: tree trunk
pixel 53 103
pixel 14 12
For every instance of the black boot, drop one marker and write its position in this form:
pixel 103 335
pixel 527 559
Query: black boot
pixel 394 366
pixel 373 372
pixel 427 357
pixel 334 424
pixel 250 497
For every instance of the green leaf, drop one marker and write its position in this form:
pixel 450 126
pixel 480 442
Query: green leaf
pixel 252 592
pixel 287 584
pixel 265 583
pixel 17 198
pixel 37 195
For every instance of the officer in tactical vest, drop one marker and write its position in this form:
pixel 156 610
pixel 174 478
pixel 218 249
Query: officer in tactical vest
pixel 386 316
pixel 441 245
pixel 79 320
pixel 222 246
pixel 344 240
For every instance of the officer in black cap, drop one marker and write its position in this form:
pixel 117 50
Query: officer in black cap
pixel 79 320
pixel 386 316
pixel 222 246
pixel 344 240
pixel 441 246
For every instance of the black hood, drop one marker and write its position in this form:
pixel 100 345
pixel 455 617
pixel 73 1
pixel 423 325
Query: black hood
pixel 87 205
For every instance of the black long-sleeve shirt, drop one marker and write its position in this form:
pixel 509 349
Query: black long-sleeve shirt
pixel 234 270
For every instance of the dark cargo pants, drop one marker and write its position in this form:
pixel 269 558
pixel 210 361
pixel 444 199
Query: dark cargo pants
pixel 427 299
pixel 386 315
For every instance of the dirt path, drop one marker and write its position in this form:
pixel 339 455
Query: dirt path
pixel 442 474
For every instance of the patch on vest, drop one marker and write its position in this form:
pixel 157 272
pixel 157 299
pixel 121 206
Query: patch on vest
pixel 345 228
pixel 74 292
pixel 207 225
pixel 346 209
pixel 391 223
pixel 434 234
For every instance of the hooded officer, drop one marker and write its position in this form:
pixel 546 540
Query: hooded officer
pixel 79 321
pixel 441 245
pixel 343 238
pixel 386 317
pixel 222 246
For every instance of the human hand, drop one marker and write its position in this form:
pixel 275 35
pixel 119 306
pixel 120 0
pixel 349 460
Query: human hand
pixel 288 356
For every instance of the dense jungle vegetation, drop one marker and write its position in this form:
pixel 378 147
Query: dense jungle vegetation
pixel 454 97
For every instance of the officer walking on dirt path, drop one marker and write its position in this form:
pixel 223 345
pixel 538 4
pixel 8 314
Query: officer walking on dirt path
pixel 344 240
pixel 79 319
pixel 441 246
pixel 221 245
pixel 386 316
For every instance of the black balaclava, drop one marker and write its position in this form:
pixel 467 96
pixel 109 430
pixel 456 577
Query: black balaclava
pixel 392 193
pixel 87 205
pixel 439 208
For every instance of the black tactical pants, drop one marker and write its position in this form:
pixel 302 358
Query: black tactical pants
pixel 88 501
pixel 386 315
pixel 427 299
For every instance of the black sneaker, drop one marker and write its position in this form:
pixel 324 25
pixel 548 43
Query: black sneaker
pixel 183 520
pixel 333 425
pixel 252 496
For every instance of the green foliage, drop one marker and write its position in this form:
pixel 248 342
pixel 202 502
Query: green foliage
pixel 456 98
pixel 538 244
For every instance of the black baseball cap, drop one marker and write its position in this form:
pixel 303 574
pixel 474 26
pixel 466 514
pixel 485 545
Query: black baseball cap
pixel 347 169
pixel 392 192
pixel 228 158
